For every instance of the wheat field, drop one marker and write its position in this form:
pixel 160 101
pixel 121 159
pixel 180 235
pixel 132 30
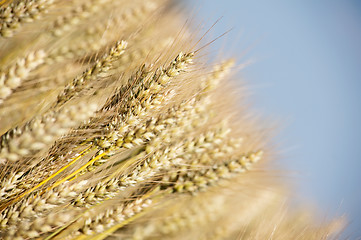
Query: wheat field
pixel 115 124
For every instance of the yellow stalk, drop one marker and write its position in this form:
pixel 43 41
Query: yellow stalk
pixel 46 180
pixel 77 171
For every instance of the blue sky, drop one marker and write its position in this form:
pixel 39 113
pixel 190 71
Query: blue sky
pixel 306 75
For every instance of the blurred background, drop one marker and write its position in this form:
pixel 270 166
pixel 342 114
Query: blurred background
pixel 306 74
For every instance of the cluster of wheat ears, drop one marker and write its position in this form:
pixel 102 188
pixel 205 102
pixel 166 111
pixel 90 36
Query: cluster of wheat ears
pixel 115 125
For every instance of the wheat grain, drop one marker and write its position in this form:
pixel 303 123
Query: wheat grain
pixel 99 68
pixel 12 16
pixel 42 131
pixel 12 77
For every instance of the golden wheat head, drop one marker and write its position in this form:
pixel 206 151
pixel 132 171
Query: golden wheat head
pixel 114 126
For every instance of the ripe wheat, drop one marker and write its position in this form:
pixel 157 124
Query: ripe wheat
pixel 112 126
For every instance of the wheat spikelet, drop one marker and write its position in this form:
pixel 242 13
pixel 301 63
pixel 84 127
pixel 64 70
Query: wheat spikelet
pixel 17 12
pixel 114 127
pixel 12 77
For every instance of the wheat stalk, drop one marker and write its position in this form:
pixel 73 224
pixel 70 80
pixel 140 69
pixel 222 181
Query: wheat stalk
pixel 113 126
